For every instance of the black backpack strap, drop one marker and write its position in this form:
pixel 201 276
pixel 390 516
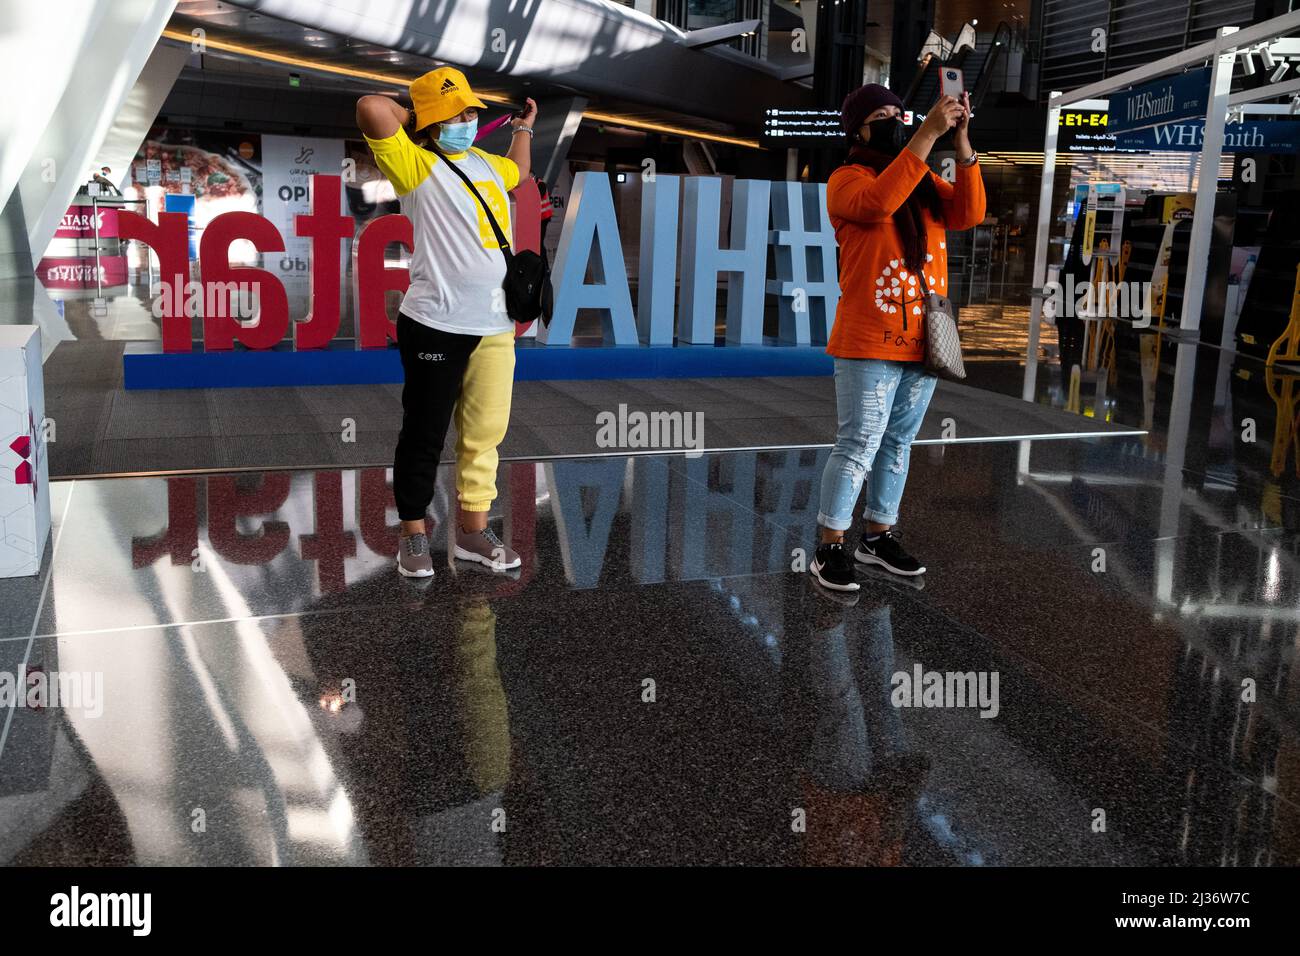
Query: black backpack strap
pixel 492 220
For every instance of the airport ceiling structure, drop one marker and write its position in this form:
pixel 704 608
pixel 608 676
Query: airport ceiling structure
pixel 634 70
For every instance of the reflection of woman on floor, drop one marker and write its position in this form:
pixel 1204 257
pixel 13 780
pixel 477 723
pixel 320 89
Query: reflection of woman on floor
pixel 417 727
pixel 861 782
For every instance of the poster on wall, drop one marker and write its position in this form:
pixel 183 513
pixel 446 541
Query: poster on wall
pixel 288 163
pixel 222 170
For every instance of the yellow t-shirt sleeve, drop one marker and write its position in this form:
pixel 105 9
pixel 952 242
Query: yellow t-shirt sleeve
pixel 401 161
pixel 505 168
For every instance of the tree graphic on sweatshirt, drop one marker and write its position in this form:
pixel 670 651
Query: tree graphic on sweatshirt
pixel 901 292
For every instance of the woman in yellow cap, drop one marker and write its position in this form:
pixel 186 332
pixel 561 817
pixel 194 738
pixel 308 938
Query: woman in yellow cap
pixel 453 332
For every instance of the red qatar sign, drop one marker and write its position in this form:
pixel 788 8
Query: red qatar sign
pixel 326 227
pixel 79 222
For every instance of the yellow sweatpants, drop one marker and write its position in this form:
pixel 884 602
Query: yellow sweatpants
pixel 482 416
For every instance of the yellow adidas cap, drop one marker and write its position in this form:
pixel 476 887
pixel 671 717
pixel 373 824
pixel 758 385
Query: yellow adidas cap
pixel 441 94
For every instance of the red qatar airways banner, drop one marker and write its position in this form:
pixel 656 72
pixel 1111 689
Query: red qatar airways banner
pixel 79 223
pixel 326 228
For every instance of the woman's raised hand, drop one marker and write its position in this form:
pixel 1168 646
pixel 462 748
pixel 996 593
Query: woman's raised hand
pixel 945 114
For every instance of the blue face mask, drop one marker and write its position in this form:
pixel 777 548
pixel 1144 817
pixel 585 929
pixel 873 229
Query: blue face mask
pixel 457 137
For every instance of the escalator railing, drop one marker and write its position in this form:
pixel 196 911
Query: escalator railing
pixel 977 56
pixel 997 51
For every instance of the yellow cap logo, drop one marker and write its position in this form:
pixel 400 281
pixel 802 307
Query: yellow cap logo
pixel 441 94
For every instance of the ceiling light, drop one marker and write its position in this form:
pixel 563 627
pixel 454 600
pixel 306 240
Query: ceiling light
pixel 1279 72
pixel 1247 64
pixel 1266 57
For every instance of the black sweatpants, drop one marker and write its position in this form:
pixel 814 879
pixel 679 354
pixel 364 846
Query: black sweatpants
pixel 434 364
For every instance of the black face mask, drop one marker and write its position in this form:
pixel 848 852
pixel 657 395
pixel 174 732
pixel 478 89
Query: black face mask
pixel 888 135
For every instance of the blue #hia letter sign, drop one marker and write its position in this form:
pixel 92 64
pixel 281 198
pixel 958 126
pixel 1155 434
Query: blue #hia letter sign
pixel 790 218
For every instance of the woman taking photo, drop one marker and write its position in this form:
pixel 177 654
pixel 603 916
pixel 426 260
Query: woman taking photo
pixel 456 340
pixel 890 213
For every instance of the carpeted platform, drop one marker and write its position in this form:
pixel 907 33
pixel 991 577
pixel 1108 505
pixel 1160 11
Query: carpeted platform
pixel 101 429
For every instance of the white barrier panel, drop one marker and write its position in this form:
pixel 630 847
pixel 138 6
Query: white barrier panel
pixel 24 471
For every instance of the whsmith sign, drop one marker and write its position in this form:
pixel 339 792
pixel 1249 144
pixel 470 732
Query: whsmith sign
pixel 1268 136
pixel 1087 131
pixel 788 217
pixel 1164 101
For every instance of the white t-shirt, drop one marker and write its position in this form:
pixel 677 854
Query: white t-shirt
pixel 456 265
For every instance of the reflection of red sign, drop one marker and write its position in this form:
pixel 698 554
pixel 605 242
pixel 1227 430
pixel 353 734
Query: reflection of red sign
pixel 326 228
pixel 229 503
pixel 79 272
pixel 79 223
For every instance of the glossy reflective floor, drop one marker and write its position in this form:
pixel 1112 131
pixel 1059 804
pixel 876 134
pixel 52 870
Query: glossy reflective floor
pixel 248 681
pixel 660 684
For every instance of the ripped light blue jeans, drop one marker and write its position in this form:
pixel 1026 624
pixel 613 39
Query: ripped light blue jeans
pixel 881 405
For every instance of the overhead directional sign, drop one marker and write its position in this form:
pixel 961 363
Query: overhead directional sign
pixel 813 128
pixel 1087 131
pixel 1166 100
pixel 801 128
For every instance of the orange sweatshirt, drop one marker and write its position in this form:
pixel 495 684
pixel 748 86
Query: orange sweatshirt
pixel 882 306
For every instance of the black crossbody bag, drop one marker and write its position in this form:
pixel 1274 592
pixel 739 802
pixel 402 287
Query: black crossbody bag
pixel 527 284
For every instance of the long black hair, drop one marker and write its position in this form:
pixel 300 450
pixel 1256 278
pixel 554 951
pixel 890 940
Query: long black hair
pixel 907 217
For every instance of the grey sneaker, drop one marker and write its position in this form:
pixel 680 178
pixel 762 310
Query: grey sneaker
pixel 486 548
pixel 413 558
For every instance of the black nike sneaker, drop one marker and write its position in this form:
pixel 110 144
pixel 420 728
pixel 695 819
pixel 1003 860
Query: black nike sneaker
pixel 832 568
pixel 885 550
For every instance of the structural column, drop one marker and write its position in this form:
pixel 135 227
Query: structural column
pixel 1198 248
pixel 557 124
pixel 1040 244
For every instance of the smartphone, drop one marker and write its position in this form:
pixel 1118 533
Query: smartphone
pixel 951 82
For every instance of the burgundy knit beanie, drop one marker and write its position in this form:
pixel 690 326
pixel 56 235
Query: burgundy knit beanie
pixel 862 102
